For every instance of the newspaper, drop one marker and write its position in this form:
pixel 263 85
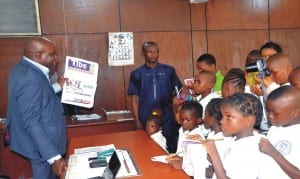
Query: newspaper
pixel 81 82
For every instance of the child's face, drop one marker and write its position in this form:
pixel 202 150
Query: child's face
pixel 210 122
pixel 188 120
pixel 201 84
pixel 279 112
pixel 203 66
pixel 279 74
pixel 233 123
pixel 229 89
pixel 267 52
pixel 294 79
pixel 151 127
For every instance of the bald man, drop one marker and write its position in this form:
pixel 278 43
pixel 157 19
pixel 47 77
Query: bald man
pixel 280 67
pixel 35 116
pixel 294 77
pixel 282 143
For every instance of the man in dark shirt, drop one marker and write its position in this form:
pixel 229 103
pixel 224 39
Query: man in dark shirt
pixel 152 88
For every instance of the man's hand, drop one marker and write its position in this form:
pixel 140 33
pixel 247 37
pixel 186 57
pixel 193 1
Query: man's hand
pixel 59 167
pixel 61 80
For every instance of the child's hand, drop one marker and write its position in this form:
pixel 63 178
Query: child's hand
pixel 256 90
pixel 194 137
pixel 266 147
pixel 172 156
pixel 175 161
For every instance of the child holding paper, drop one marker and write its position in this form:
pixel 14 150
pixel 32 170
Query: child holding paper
pixel 282 144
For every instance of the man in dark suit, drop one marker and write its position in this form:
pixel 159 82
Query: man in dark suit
pixel 35 116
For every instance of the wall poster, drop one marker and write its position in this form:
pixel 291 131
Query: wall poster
pixel 120 49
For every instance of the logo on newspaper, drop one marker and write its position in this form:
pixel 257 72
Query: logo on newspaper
pixel 80 66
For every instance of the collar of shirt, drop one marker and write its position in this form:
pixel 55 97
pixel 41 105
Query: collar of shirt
pixel 44 69
pixel 199 97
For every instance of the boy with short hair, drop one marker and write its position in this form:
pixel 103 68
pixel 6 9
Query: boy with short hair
pixel 207 62
pixel 282 143
pixel 190 116
pixel 294 77
pixel 203 88
pixel 280 67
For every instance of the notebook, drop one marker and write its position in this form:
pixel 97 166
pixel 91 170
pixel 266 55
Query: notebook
pixel 111 169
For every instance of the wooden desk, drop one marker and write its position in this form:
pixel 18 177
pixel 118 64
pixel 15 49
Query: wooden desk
pixel 16 166
pixel 142 148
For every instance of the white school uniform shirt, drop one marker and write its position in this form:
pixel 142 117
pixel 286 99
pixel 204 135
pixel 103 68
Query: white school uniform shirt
pixel 160 140
pixel 242 159
pixel 221 145
pixel 182 136
pixel 195 158
pixel 286 141
pixel 271 88
pixel 183 148
pixel 204 101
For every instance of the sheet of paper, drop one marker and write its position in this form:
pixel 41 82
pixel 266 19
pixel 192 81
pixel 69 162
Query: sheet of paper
pixel 94 149
pixel 87 117
pixel 78 167
pixel 160 158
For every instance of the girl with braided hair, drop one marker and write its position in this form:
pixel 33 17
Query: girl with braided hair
pixel 240 112
pixel 233 82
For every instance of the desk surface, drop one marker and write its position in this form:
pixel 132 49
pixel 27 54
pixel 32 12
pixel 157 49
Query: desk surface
pixel 140 146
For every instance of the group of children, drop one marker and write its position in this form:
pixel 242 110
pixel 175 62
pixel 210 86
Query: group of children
pixel 220 135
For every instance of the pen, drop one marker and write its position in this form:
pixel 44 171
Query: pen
pixel 177 91
pixel 125 162
pixel 173 155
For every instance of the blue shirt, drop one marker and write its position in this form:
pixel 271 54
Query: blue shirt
pixel 155 88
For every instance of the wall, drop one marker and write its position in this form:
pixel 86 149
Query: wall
pixel 227 29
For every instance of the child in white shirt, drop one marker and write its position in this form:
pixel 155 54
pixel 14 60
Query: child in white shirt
pixel 282 144
pixel 154 130
pixel 203 88
pixel 242 156
pixel 190 116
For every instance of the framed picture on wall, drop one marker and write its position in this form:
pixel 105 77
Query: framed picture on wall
pixel 19 18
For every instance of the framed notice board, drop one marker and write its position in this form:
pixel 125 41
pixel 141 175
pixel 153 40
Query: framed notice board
pixel 19 18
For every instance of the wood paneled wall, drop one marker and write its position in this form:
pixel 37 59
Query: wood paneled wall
pixel 227 29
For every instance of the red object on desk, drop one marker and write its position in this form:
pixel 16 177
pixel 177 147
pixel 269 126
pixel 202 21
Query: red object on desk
pixel 141 147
